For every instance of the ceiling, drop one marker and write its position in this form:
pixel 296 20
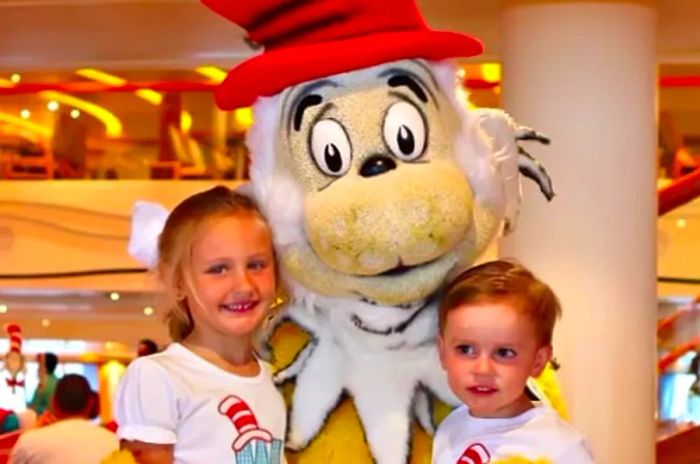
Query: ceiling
pixel 179 34
pixel 164 40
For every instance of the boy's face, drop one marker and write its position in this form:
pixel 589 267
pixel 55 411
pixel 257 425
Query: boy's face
pixel 489 350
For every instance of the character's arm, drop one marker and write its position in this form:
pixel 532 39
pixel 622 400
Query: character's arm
pixel 577 453
pixel 149 453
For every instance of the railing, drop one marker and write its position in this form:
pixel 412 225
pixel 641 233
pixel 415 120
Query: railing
pixel 681 447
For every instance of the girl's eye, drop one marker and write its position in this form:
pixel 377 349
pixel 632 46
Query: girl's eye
pixel 217 269
pixel 506 353
pixel 465 349
pixel 257 265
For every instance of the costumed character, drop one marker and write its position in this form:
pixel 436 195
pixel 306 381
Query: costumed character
pixel 13 389
pixel 378 183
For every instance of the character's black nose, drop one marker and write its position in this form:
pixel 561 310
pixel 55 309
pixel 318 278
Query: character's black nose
pixel 377 164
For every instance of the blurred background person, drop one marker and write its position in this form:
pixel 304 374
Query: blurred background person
pixel 73 438
pixel 47 383
pixel 145 347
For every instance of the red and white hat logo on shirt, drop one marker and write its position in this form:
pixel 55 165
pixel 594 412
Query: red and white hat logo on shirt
pixel 244 421
pixel 475 454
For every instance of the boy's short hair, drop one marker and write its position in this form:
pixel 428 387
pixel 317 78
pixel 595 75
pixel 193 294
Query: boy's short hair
pixel 496 281
pixel 147 346
pixel 73 394
pixel 50 362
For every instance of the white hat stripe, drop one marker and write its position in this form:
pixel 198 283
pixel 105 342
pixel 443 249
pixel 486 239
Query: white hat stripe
pixel 483 454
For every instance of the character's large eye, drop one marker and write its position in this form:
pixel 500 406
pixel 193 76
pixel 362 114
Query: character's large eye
pixel 330 147
pixel 404 131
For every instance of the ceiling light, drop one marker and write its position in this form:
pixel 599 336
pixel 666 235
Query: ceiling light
pixel 75 114
pixel 114 296
pixel 185 122
pixel 3 309
pixel 113 125
pixel 149 95
pixel 52 105
pixel 212 72
pixel 16 121
pixel 15 78
pixel 25 113
pixel 243 117
pixel 681 223
pixel 491 72
pixel 45 323
pixel 148 311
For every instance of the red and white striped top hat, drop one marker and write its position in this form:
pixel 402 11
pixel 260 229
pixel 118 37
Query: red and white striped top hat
pixel 475 454
pixel 15 333
pixel 244 421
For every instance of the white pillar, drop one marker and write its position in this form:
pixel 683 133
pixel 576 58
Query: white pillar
pixel 584 73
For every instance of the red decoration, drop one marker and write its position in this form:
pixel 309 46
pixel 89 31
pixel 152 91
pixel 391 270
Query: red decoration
pixel 209 86
pixel 95 87
pixel 13 382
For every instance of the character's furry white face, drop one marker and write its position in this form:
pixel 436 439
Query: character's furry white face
pixel 386 209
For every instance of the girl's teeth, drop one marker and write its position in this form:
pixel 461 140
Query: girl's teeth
pixel 238 307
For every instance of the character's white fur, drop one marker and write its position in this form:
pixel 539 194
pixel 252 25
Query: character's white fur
pixel 473 152
pixel 486 150
pixel 278 194
pixel 385 357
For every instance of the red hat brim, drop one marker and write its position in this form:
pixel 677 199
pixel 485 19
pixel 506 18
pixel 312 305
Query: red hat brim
pixel 272 71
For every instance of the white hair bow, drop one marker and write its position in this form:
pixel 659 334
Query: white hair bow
pixel 147 223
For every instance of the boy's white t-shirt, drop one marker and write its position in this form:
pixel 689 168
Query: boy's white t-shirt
pixel 538 435
pixel 208 414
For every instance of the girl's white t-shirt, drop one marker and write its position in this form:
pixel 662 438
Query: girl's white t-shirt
pixel 208 414
pixel 538 435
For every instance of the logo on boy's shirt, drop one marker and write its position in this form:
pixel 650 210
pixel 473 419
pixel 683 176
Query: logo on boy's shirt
pixel 252 445
pixel 475 454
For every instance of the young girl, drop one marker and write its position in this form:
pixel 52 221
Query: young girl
pixel 207 398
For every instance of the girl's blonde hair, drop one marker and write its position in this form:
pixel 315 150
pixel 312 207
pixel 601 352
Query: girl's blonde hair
pixel 175 247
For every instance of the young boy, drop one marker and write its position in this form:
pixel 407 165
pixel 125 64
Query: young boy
pixel 496 323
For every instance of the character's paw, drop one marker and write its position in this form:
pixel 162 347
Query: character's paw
pixel 295 442
pixel 533 170
pixel 528 164
pixel 526 133
pixel 423 412
pixel 295 367
pixel 281 377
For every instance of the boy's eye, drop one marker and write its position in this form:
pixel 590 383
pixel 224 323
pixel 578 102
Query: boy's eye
pixel 217 269
pixel 465 349
pixel 506 353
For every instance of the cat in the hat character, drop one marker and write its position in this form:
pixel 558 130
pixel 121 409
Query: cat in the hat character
pixel 378 183
pixel 13 392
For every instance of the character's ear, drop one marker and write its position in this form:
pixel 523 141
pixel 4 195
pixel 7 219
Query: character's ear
pixel 441 350
pixel 542 357
pixel 174 280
